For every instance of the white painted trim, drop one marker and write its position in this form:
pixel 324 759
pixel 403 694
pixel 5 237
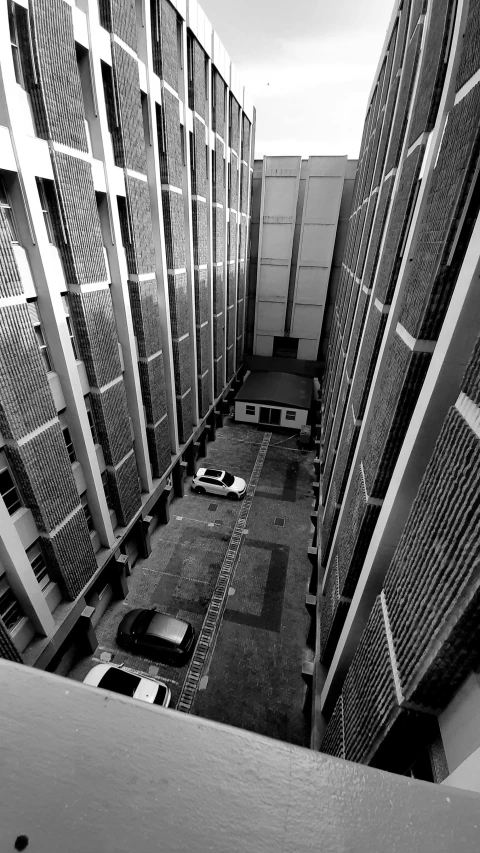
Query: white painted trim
pixel 467 87
pixel 470 412
pixel 414 344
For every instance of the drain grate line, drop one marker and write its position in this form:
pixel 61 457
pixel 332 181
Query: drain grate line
pixel 216 608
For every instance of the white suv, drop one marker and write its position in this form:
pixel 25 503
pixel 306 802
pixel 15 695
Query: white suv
pixel 218 483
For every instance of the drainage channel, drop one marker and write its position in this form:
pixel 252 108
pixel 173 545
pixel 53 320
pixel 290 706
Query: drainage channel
pixel 213 618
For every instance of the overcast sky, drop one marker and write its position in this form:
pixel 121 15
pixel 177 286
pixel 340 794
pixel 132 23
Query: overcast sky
pixel 308 65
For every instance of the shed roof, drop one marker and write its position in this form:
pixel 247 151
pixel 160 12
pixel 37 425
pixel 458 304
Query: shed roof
pixel 277 389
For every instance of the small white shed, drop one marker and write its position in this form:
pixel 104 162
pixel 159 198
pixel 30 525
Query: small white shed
pixel 276 399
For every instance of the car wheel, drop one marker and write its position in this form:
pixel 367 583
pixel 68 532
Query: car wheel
pixel 200 490
pixel 233 496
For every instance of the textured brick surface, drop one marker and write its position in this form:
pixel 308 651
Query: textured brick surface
pixel 118 16
pixel 124 488
pixel 10 281
pixel 139 250
pixel 199 173
pixel 76 220
pixel 174 226
pixel 234 124
pixel 54 86
pixel 178 298
pixel 246 127
pixel 218 290
pixel 419 7
pixel 367 360
pixel 470 58
pixel 391 259
pixel 111 419
pixel 433 69
pixel 218 227
pixel 203 348
pixel 403 100
pixel 471 379
pixel 181 361
pixel 70 557
pixel 152 381
pixel 230 362
pixel 158 439
pixel 385 134
pixel 199 94
pixel 362 251
pixel 203 386
pixel 357 329
pixel 218 375
pixel 164 41
pixel 371 260
pixel 218 112
pixel 184 417
pixel 169 131
pixel 218 194
pixel 432 586
pixel 431 277
pixel 396 393
pixel 355 531
pixel 233 193
pixel 232 237
pixel 333 614
pixel 96 335
pixel 44 473
pixel 128 139
pixel 200 234
pixel 145 316
pixel 201 285
pixel 333 742
pixel 8 649
pixel 25 397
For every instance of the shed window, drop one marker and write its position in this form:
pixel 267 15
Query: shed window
pixel 249 410
pixel 290 415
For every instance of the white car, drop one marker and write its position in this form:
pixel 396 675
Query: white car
pixel 108 676
pixel 218 483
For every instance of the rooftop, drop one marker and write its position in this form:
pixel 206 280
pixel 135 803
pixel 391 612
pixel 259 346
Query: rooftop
pixel 277 389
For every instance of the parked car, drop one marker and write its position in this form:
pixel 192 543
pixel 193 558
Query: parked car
pixel 157 635
pixel 108 676
pixel 218 483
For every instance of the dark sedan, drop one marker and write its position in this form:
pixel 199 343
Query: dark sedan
pixel 157 635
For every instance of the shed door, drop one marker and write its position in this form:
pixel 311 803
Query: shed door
pixel 264 415
pixel 269 416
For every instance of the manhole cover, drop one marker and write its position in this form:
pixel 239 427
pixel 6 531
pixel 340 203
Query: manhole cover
pixel 218 523
pixel 212 507
pixel 279 522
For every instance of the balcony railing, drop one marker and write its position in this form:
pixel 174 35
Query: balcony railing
pixel 83 770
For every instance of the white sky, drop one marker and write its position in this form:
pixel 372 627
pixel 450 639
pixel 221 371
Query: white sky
pixel 308 65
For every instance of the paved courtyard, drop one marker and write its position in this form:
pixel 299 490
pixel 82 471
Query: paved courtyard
pixel 254 672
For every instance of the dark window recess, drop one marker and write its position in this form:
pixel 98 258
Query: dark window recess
pixel 6 206
pixel 124 221
pixel 206 161
pixel 191 98
pixel 206 78
pixel 72 337
pixel 285 347
pixel 179 43
pixel 290 415
pixel 192 153
pixel 42 346
pixel 93 428
pixel 45 193
pixel 39 566
pixel 10 609
pixel 160 697
pixel 86 510
pixel 160 129
pixel 250 410
pixel 69 444
pixel 214 171
pixel 109 93
pixel 8 491
pixel 106 491
pixel 182 142
pixel 14 43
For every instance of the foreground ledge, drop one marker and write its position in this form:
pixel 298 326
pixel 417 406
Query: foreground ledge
pixel 86 771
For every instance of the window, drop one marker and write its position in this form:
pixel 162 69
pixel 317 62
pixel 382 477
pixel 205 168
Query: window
pixel 285 347
pixel 93 428
pixel 8 489
pixel 192 153
pixel 12 23
pixel 124 222
pixel 106 490
pixel 190 56
pixel 290 416
pixel 69 444
pixel 88 514
pixel 206 78
pixel 39 566
pixel 214 172
pixel 179 43
pixel 182 142
pixel 160 129
pixel 45 209
pixel 72 337
pixel 7 209
pixel 250 410
pixel 37 328
pixel 10 609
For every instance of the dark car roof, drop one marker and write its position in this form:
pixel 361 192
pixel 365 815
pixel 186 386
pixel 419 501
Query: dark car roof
pixel 167 628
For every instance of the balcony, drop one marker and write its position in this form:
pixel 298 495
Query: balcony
pixel 83 770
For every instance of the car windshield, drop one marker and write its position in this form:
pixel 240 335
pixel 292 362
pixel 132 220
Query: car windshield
pixel 161 693
pixel 228 479
pixel 119 681
pixel 142 621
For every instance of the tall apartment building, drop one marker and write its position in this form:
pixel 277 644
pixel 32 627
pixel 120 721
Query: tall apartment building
pixel 126 156
pixel 396 681
pixel 300 211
